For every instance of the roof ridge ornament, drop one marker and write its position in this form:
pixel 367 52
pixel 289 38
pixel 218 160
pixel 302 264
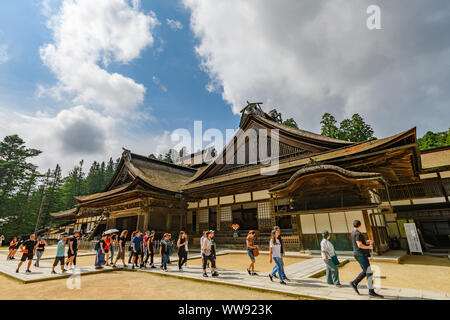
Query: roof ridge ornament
pixel 255 108
pixel 126 154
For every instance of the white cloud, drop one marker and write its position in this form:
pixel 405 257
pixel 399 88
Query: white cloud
pixel 3 53
pixel 87 36
pixel 174 24
pixel 309 57
pixel 77 133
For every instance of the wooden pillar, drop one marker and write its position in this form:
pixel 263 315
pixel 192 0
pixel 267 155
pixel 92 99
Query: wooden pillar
pixel 218 217
pixel 300 233
pixel 197 218
pixel 168 222
pixel 368 225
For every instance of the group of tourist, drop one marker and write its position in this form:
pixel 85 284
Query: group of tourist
pixel 142 248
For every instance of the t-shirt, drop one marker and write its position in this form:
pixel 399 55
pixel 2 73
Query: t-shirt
pixel 74 244
pixel 164 247
pixel 29 245
pixel 137 243
pixel 201 241
pixel 206 247
pixel 41 246
pixel 328 247
pixel 107 244
pixel 60 249
pixel 122 242
pixel 276 248
pixel 145 240
pixel 357 236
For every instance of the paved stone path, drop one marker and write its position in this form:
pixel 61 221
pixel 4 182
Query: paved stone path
pixel 42 273
pixel 299 285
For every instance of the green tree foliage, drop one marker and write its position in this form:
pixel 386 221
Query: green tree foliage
pixel 354 129
pixel 434 140
pixel 291 123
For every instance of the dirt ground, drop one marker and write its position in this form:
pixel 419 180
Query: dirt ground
pixel 138 286
pixel 237 261
pixel 431 273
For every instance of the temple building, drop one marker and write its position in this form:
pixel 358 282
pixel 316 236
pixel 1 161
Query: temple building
pixel 319 183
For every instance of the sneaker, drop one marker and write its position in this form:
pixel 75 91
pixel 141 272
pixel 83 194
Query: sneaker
pixel 271 277
pixel 254 274
pixel 275 276
pixel 54 272
pixel 287 279
pixel 282 282
pixel 165 270
pixel 181 270
pixel 249 272
pixel 355 287
pixel 17 270
pixel 64 271
pixel 215 274
pixel 373 294
pixel 28 271
pixel 114 266
pixel 152 267
pixel 338 285
pixel 205 275
pixel 132 267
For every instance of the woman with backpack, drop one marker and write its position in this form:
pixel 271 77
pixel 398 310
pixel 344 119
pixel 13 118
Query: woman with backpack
pixel 100 248
pixel 251 248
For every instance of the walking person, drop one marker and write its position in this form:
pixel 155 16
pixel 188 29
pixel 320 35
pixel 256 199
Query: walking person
pixel 213 243
pixel 2 238
pixel 130 248
pixel 275 255
pixel 13 245
pixel 330 259
pixel 72 250
pixel 28 248
pixel 101 252
pixel 186 247
pixel 145 251
pixel 150 249
pixel 164 251
pixel 60 249
pixel 40 250
pixel 208 256
pixel 112 247
pixel 107 248
pixel 182 253
pixel 250 245
pixel 136 243
pixel 361 252
pixel 202 239
pixel 121 248
pixel 274 271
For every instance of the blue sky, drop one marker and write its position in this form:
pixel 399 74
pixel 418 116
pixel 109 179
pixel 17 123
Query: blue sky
pixel 80 79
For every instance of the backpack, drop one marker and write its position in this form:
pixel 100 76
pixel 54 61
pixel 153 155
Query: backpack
pixel 97 246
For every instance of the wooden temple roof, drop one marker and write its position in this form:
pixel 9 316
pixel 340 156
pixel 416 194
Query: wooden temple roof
pixel 396 145
pixel 434 158
pixel 66 214
pixel 140 173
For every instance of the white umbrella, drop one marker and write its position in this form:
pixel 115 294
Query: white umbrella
pixel 110 231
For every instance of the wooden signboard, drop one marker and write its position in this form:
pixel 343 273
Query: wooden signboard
pixel 412 237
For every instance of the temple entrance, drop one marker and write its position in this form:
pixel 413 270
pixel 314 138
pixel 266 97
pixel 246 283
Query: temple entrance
pixel 436 233
pixel 127 223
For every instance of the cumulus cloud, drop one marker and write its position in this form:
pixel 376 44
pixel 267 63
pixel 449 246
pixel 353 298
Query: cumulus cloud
pixel 87 37
pixel 309 57
pixel 174 24
pixel 3 53
pixel 77 133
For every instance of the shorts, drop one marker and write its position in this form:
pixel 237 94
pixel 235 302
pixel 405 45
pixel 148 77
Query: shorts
pixel 12 248
pixel 69 254
pixel 121 254
pixel 210 258
pixel 60 260
pixel 137 253
pixel 26 256
pixel 250 254
pixel 106 250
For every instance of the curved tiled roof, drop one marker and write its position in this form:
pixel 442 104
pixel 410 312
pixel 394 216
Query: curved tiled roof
pixel 324 168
